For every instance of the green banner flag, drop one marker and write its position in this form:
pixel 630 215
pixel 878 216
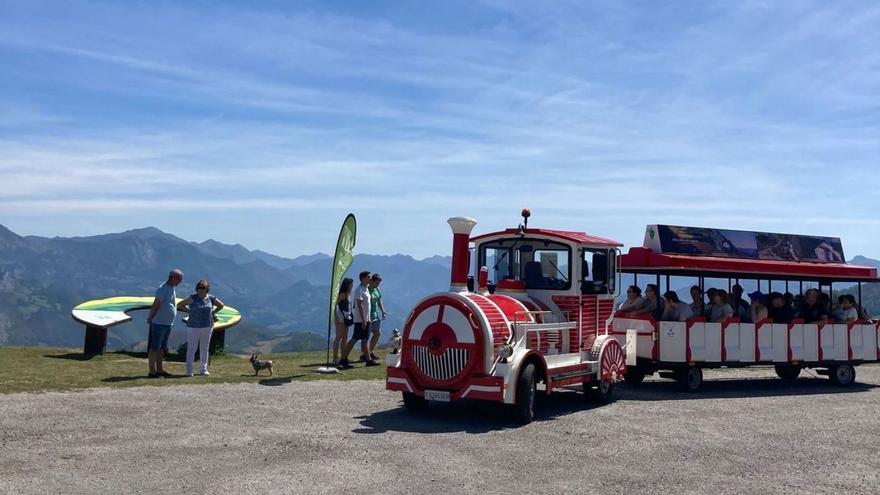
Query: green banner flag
pixel 342 259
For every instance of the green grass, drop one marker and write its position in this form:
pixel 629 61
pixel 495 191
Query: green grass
pixel 38 369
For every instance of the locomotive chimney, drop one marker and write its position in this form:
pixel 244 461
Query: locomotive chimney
pixel 461 238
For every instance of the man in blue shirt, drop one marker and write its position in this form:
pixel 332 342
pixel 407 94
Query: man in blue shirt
pixel 160 319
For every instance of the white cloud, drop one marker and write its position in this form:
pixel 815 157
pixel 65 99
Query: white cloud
pixel 602 117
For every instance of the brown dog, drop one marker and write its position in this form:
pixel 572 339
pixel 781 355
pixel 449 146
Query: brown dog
pixel 260 365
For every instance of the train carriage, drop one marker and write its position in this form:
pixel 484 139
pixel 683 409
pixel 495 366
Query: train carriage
pixel 681 350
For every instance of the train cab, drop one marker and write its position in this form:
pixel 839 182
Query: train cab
pixel 560 275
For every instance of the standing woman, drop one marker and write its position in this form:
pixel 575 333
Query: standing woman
pixel 343 317
pixel 201 307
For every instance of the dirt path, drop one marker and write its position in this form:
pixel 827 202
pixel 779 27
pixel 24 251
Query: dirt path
pixel 738 436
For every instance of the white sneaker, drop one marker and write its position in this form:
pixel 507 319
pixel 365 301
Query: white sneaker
pixel 189 373
pixel 205 373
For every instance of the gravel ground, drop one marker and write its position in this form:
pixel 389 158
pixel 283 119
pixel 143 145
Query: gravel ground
pixel 754 435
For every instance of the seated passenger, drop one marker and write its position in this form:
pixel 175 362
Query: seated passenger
pixel 798 303
pixel 738 304
pixel 812 310
pixel 780 312
pixel 789 299
pixel 711 295
pixel 837 309
pixel 653 303
pixel 757 311
pixel 720 310
pixel 675 309
pixel 848 309
pixel 634 300
pixel 698 307
pixel 825 299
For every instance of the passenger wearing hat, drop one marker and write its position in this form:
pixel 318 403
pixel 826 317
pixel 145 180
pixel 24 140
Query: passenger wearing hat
pixel 758 310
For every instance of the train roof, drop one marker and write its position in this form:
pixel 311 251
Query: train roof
pixel 645 260
pixel 565 235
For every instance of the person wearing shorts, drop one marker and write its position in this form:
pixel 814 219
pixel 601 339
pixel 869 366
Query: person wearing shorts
pixel 361 312
pixel 377 314
pixel 161 318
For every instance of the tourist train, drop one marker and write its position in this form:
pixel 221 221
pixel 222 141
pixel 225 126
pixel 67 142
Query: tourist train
pixel 538 314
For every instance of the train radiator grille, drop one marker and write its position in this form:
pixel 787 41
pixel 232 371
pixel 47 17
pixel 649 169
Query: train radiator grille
pixel 445 366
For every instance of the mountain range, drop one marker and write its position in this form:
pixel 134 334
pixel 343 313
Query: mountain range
pixel 284 301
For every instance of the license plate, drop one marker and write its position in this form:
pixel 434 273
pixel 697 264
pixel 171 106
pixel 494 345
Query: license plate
pixel 438 395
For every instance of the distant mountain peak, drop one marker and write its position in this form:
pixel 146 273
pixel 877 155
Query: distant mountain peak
pixel 145 232
pixel 445 261
pixel 865 261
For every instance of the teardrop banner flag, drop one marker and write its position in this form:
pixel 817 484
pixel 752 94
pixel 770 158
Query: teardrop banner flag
pixel 341 261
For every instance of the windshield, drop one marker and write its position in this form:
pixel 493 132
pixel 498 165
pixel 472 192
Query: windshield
pixel 540 264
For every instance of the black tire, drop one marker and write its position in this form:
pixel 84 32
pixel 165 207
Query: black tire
pixel 787 371
pixel 413 402
pixel 842 375
pixel 634 376
pixel 601 392
pixel 526 390
pixel 691 379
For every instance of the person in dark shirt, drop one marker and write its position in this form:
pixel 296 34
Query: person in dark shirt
pixel 780 312
pixel 812 310
pixel 739 305
pixel 653 303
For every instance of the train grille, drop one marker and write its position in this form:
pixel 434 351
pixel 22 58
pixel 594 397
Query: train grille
pixel 444 367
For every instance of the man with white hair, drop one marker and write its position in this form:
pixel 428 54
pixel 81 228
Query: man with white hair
pixel 160 319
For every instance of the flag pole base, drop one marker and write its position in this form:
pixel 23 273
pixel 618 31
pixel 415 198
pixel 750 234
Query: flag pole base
pixel 327 370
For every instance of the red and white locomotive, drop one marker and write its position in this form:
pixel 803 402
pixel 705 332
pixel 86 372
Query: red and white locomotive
pixel 549 321
pixel 542 324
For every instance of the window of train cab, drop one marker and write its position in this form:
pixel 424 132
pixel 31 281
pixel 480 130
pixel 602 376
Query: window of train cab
pixel 541 264
pixel 598 267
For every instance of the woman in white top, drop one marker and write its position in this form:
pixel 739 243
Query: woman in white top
pixel 634 301
pixel 848 313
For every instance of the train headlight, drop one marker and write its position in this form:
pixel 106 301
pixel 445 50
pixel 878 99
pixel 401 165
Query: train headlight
pixel 395 342
pixel 505 352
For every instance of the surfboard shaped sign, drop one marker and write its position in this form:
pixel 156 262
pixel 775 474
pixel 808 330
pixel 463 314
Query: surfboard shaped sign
pixel 112 311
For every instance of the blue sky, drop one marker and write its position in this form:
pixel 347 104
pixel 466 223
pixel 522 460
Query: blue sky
pixel 264 123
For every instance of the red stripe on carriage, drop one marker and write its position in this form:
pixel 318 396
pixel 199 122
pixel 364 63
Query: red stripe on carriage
pixel 724 324
pixel 765 321
pixel 819 339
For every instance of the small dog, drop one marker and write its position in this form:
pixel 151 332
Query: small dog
pixel 260 365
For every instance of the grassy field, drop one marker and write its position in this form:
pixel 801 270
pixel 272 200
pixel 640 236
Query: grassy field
pixel 37 369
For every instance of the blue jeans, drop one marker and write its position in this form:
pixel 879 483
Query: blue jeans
pixel 158 338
